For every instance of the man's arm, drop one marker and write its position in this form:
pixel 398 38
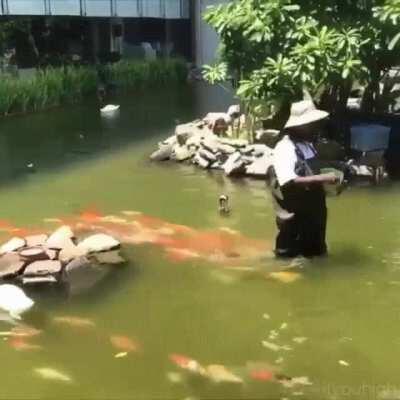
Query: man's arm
pixel 312 179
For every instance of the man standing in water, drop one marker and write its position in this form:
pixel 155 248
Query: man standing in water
pixel 297 185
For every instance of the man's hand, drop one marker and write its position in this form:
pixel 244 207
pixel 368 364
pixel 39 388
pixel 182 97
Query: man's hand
pixel 329 178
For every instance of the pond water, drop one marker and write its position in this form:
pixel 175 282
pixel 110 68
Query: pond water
pixel 343 312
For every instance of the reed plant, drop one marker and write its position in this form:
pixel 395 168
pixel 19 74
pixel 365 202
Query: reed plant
pixel 52 87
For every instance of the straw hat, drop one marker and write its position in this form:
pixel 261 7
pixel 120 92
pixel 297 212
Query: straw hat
pixel 304 113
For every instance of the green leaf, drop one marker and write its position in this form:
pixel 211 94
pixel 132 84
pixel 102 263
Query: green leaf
pixel 393 42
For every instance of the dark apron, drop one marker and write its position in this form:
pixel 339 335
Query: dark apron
pixel 301 212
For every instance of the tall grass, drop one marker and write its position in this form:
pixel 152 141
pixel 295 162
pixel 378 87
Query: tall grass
pixel 57 86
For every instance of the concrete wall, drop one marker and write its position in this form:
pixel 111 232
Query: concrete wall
pixel 206 39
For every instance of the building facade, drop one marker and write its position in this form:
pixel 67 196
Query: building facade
pixel 169 9
pixel 122 25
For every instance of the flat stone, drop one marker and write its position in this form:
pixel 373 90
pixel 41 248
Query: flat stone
pixel 257 150
pixel 226 148
pixel 99 242
pixel 260 165
pixel 12 245
pixel 33 253
pixel 61 238
pixel 36 240
pixel 33 280
pixel 70 252
pixel 200 161
pixel 237 143
pixel 208 155
pixel 10 265
pixel 40 268
pixel 234 164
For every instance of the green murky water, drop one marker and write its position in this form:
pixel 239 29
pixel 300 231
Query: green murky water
pixel 347 306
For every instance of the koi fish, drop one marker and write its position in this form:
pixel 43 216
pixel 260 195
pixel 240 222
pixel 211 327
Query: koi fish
pixel 188 364
pixel 24 331
pixel 52 374
pixel 76 322
pixel 124 343
pixel 21 345
pixel 285 276
pixel 263 375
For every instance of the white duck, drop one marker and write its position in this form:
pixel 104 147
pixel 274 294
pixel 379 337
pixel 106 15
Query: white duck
pixel 109 108
pixel 14 300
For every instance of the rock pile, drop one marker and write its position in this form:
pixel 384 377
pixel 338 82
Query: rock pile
pixel 51 259
pixel 194 142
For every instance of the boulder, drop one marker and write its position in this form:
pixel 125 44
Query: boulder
pixel 214 116
pixel 36 240
pixel 163 153
pixel 13 244
pixel 99 242
pixel 195 141
pixel 182 153
pixel 41 268
pixel 185 131
pixel 210 142
pixel 268 137
pixel 61 238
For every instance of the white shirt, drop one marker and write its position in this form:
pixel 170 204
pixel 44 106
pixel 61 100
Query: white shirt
pixel 285 158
